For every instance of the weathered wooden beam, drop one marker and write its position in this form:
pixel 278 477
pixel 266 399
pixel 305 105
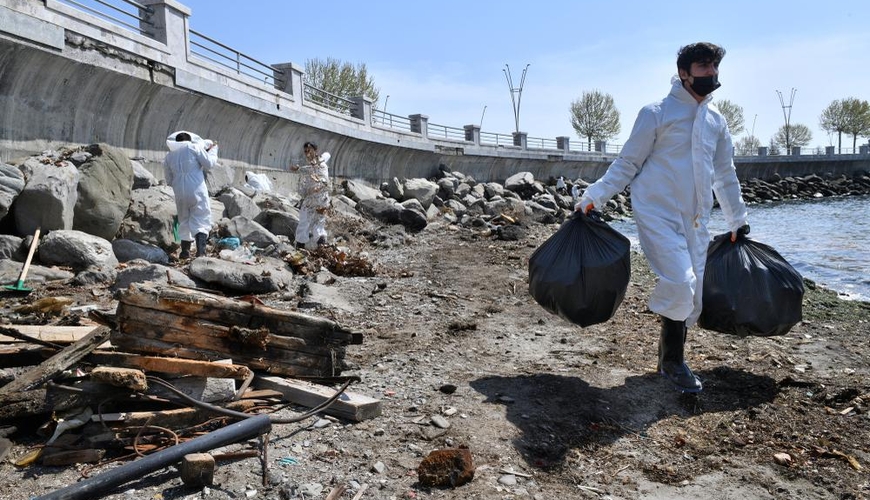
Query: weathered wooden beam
pixel 173 366
pixel 228 311
pixel 54 365
pixel 350 405
pixel 49 334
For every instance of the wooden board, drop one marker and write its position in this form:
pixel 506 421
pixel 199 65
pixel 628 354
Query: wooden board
pixel 50 333
pixel 349 405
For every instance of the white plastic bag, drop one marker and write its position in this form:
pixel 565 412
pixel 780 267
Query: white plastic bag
pixel 258 182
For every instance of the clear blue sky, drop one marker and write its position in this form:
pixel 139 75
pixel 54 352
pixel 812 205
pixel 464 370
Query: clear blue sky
pixel 445 59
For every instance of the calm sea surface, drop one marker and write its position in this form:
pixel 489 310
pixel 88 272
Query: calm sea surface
pixel 826 240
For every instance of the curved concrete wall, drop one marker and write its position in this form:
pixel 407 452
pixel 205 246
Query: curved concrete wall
pixel 60 87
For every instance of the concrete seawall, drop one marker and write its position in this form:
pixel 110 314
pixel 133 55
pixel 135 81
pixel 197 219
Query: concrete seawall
pixel 67 78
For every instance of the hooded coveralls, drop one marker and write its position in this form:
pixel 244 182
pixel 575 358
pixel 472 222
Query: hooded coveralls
pixel 678 150
pixel 314 190
pixel 185 167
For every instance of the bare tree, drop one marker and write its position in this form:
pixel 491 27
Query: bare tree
pixel 733 114
pixel 747 145
pixel 339 79
pixel 595 117
pixel 857 113
pixel 833 119
pixel 792 135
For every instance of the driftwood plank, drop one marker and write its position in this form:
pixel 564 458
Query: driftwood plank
pixel 173 419
pixel 46 333
pixel 39 402
pixel 54 365
pixel 300 366
pixel 349 405
pixel 230 311
pixel 15 356
pixel 173 366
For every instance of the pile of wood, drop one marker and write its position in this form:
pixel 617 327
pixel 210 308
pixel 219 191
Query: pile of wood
pixel 171 365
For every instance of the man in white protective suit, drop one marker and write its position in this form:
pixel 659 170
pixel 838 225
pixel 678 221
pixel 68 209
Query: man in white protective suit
pixel 678 155
pixel 189 159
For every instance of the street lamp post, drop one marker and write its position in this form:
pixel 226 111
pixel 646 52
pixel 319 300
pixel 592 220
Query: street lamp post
pixel 516 92
pixel 787 117
pixel 481 115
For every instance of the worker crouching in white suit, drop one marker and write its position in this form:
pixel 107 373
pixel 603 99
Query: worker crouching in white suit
pixel 679 154
pixel 189 159
pixel 314 190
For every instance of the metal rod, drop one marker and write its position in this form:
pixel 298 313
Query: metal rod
pixel 96 486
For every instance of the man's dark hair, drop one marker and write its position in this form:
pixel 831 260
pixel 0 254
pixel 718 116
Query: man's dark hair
pixel 699 52
pixel 182 137
pixel 310 145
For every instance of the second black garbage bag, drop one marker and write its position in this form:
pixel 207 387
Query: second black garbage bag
pixel 749 289
pixel 581 272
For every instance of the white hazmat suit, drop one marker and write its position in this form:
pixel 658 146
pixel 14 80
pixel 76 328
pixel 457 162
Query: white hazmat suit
pixel 314 190
pixel 679 154
pixel 185 167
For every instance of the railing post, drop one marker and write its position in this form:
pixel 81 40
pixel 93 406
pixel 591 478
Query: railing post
pixel 563 143
pixel 763 150
pixel 170 27
pixel 521 139
pixel 288 79
pixel 420 125
pixel 795 150
pixel 601 146
pixel 472 134
pixel 362 108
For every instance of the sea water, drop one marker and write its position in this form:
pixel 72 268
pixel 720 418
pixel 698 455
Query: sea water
pixel 826 240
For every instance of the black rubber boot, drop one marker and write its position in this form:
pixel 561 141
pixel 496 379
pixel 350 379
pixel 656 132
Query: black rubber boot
pixel 200 244
pixel 185 250
pixel 671 362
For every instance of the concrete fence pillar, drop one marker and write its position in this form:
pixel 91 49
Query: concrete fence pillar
pixel 830 150
pixel 563 143
pixel 362 109
pixel 169 26
pixel 420 124
pixel 763 151
pixel 795 150
pixel 521 139
pixel 472 134
pixel 601 146
pixel 288 79
pixel 864 150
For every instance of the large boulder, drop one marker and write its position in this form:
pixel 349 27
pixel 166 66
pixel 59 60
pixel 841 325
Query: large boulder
pixel 11 184
pixel 76 249
pixel 247 231
pixel 279 222
pixel 48 199
pixel 236 203
pixel 150 218
pixel 103 191
pixel 421 190
pixel 271 275
pixel 127 250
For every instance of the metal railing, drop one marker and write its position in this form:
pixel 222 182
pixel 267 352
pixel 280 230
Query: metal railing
pixel 142 14
pixel 541 143
pixel 218 53
pixel 312 94
pixel 439 131
pixel 582 146
pixel 390 120
pixel 493 139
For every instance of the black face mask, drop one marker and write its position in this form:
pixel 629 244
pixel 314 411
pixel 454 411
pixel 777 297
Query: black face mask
pixel 704 85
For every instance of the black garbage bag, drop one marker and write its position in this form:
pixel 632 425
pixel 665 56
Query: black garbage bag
pixel 749 289
pixel 582 271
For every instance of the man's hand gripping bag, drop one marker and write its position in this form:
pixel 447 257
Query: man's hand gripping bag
pixel 581 272
pixel 749 289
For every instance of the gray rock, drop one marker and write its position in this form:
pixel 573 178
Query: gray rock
pixel 11 185
pixel 12 247
pixel 357 191
pixel 279 222
pixel 421 190
pixel 77 250
pixel 150 218
pixel 103 191
pixel 48 199
pixel 237 203
pixel 248 231
pixel 142 177
pixel 10 270
pixel 270 276
pixel 140 271
pixel 126 250
pixel 95 275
